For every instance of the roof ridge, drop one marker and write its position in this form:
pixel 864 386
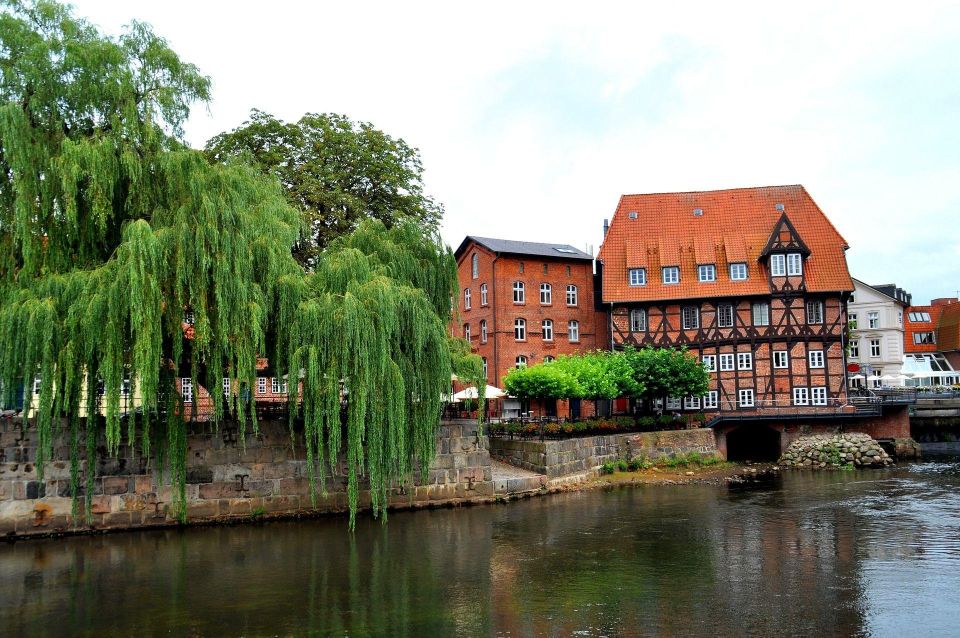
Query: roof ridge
pixel 715 190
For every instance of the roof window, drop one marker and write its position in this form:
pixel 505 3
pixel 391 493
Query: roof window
pixel 565 250
pixel 634 215
pixel 698 212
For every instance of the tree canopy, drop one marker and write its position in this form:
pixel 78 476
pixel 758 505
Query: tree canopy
pixel 336 172
pixel 650 373
pixel 112 229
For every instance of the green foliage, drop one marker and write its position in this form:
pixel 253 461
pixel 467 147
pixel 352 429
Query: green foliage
pixel 599 374
pixel 667 372
pixel 111 230
pixel 336 172
pixel 608 467
pixel 622 465
pixel 541 382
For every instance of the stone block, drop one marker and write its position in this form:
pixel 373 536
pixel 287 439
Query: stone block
pixel 100 505
pixel 198 510
pixel 143 484
pixel 200 474
pixel 117 520
pixel 281 504
pixel 220 489
pixel 116 484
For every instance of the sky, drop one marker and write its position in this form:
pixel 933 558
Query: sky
pixel 532 118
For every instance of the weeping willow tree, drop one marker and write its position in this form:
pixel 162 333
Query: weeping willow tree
pixel 112 230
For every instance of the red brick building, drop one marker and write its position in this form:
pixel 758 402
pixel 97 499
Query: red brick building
pixel 932 342
pixel 752 280
pixel 522 303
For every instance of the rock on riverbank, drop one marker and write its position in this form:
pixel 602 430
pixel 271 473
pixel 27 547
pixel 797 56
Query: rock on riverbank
pixel 836 450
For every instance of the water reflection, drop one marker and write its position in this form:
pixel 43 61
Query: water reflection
pixel 842 553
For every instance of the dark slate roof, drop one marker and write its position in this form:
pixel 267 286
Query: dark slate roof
pixel 511 247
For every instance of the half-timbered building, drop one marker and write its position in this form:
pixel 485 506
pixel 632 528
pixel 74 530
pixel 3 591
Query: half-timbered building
pixel 754 281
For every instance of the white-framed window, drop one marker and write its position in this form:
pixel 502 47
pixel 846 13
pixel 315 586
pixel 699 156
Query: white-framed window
pixel 899 317
pixel 483 294
pixel 549 358
pixel 761 314
pixel 816 358
pixel 671 275
pixel 920 338
pixel 725 315
pixel 738 271
pixel 475 265
pixel 745 398
pixel 691 403
pixel 466 299
pixel 571 295
pixel 486 373
pixel 546 294
pixel 780 359
pixel 125 386
pixel 573 331
pixel 37 384
pixel 794 264
pixel 814 312
pixel 710 400
pixel 873 319
pixel 875 379
pixel 854 349
pixel 519 292
pixel 778 265
pixel 726 362
pixel 801 396
pixel 261 385
pixel 546 327
pixel 852 321
pixel 186 389
pixel 691 317
pixel 483 331
pixel 673 403
pixel 466 331
pixel 638 320
pixel 521 361
pixel 520 329
pixel 818 395
pixel 745 361
pixel 189 318
pixel 638 276
pixel 707 272
pixel 919 316
pixel 875 348
pixel 226 386
pixel 709 362
pixel 278 386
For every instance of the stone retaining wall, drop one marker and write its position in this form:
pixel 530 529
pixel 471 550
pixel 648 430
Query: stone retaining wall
pixel 225 480
pixel 555 458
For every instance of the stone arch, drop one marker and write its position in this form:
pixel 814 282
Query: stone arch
pixel 753 442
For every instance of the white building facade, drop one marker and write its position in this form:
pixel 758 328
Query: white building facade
pixel 875 348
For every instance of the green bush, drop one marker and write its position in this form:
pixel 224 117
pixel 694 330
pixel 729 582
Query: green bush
pixel 622 465
pixel 608 468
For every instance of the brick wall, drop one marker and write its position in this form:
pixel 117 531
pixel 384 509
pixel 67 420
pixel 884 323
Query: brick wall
pixel 224 481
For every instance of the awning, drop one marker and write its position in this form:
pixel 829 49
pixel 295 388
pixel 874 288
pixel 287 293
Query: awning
pixel 471 393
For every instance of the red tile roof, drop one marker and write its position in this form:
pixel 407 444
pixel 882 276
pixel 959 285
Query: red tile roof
pixel 734 225
pixel 940 327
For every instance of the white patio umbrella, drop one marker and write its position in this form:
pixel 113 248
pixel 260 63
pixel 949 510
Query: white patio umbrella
pixel 491 392
pixel 857 377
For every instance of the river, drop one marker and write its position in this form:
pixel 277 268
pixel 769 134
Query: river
pixel 862 553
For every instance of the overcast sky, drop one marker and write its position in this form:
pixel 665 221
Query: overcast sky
pixel 533 118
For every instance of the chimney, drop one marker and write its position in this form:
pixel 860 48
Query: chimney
pixel 606 226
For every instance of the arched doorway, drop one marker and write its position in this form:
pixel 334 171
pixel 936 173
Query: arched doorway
pixel 753 443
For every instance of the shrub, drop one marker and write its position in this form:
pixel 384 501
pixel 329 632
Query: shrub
pixel 608 468
pixel 664 420
pixel 622 465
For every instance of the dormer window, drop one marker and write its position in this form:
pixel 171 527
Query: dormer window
pixel 671 275
pixel 778 265
pixel 738 271
pixel 707 272
pixel 638 276
pixel 794 264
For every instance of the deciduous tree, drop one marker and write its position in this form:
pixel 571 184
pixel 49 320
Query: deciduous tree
pixel 335 171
